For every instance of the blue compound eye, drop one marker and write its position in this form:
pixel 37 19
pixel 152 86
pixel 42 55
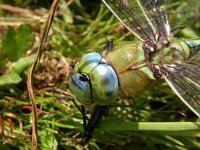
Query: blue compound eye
pixel 80 86
pixel 104 83
pixel 87 63
pixel 94 81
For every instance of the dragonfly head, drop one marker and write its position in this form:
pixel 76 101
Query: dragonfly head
pixel 94 81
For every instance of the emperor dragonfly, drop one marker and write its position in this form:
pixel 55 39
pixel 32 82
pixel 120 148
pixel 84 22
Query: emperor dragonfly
pixel 100 79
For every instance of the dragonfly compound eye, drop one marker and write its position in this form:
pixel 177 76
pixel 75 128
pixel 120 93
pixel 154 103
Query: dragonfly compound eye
pixel 104 84
pixel 94 81
pixel 81 88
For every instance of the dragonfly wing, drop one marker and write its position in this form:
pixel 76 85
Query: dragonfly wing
pixel 184 79
pixel 144 18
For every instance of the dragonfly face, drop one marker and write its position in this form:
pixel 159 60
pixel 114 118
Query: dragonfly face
pixel 94 81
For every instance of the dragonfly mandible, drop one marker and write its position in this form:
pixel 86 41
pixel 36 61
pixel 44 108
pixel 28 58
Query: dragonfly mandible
pixel 99 79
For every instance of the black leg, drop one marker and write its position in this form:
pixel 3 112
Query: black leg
pixel 108 47
pixel 84 117
pixel 94 119
pixel 72 64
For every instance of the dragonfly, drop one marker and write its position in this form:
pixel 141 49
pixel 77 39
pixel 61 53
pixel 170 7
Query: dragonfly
pixel 100 78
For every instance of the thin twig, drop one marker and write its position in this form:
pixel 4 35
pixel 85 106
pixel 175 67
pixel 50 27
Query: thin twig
pixel 32 69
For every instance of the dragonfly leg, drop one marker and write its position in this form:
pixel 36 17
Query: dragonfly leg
pixel 84 117
pixel 72 64
pixel 177 30
pixel 94 119
pixel 155 71
pixel 108 47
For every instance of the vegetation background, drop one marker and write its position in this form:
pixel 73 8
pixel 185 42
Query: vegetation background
pixel 79 27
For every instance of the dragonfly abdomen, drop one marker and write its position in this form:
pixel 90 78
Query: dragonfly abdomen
pixel 194 46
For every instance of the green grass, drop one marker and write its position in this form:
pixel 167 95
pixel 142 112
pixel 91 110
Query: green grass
pixel 154 119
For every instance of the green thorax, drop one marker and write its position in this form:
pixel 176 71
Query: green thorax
pixel 128 61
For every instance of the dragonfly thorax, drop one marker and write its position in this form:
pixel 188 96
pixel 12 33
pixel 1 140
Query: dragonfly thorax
pixel 94 81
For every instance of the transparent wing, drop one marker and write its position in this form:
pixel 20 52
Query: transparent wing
pixel 148 19
pixel 144 18
pixel 184 79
